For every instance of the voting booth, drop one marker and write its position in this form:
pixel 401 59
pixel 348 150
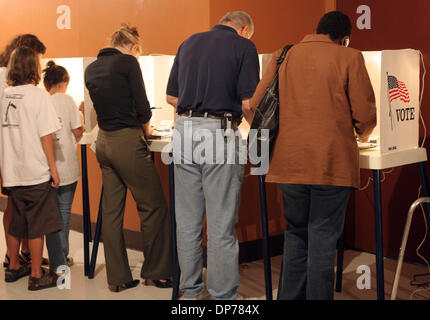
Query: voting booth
pixel 155 72
pixel 395 78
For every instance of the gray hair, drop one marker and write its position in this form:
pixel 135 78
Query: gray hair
pixel 238 19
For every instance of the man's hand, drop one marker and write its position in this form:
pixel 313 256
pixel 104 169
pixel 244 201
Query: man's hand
pixel 247 111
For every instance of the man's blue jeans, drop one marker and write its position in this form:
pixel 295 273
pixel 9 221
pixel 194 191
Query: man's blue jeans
pixel 213 189
pixel 315 216
pixel 58 242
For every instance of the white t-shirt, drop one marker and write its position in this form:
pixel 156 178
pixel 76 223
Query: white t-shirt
pixel 66 154
pixel 3 82
pixel 27 114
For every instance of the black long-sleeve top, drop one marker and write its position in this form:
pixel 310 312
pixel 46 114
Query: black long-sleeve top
pixel 116 88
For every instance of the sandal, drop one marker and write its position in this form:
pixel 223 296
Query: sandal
pixel 25 258
pixel 124 286
pixel 13 275
pixel 6 264
pixel 48 280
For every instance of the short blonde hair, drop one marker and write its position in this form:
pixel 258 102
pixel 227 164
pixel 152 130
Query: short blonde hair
pixel 125 36
pixel 239 19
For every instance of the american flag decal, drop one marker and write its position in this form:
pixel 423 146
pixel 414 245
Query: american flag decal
pixel 397 90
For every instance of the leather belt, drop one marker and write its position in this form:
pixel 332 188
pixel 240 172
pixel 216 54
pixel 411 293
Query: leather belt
pixel 190 113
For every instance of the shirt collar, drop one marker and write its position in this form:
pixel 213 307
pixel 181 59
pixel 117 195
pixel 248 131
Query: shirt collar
pixel 317 38
pixel 108 52
pixel 224 27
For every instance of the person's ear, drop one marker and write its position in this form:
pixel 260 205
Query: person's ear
pixel 345 41
pixel 244 32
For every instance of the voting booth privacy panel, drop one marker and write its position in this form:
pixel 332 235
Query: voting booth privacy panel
pixel 155 72
pixel 394 75
pixel 395 79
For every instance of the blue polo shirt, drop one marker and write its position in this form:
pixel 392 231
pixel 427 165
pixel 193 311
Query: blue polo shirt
pixel 214 71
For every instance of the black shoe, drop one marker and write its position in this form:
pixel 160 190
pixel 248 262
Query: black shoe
pixel 13 275
pixel 168 283
pixel 124 286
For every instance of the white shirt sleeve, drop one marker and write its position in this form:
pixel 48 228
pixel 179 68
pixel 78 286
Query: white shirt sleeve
pixel 75 116
pixel 47 119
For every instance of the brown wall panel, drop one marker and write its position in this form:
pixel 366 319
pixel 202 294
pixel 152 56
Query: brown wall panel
pixel 162 23
pixel 277 22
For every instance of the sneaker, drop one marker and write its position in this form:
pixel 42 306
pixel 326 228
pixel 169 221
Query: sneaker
pixel 48 280
pixel 70 261
pixel 13 275
pixel 205 295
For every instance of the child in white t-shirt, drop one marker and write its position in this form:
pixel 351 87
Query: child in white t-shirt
pixel 56 80
pixel 28 168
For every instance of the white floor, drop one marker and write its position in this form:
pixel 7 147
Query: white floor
pixel 251 287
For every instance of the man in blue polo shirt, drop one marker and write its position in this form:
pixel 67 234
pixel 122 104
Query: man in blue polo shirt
pixel 213 76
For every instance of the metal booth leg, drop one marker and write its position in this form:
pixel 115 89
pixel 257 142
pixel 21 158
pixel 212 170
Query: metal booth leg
pixel 426 190
pixel 378 234
pixel 86 210
pixel 265 229
pixel 96 239
pixel 176 269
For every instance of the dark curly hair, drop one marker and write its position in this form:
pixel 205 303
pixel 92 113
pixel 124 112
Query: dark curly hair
pixel 54 74
pixel 23 40
pixel 336 24
pixel 23 67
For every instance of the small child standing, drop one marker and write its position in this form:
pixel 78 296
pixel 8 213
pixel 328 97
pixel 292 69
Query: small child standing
pixel 28 168
pixel 56 80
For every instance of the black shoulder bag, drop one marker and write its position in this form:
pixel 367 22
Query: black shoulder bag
pixel 267 115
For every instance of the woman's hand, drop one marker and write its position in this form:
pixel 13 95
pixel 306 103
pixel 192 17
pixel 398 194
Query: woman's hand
pixel 147 130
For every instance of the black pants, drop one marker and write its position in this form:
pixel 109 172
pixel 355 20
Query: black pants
pixel 315 216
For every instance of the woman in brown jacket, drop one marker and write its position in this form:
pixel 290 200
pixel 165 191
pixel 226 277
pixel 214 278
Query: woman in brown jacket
pixel 326 99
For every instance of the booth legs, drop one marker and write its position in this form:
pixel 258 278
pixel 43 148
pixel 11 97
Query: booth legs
pixel 96 239
pixel 265 229
pixel 378 234
pixel 176 269
pixel 86 210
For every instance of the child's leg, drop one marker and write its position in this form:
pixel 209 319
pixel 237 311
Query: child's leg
pixel 54 244
pixel 7 216
pixel 13 252
pixel 24 245
pixel 36 250
pixel 64 196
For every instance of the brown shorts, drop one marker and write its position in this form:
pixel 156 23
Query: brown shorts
pixel 34 211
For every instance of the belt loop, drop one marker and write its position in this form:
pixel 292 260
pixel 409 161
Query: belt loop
pixel 206 115
pixel 190 113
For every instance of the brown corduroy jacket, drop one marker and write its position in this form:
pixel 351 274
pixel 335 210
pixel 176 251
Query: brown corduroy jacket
pixel 325 96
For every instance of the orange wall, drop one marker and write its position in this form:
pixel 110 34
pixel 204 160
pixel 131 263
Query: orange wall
pixel 277 22
pixel 163 25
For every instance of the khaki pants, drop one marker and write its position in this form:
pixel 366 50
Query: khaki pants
pixel 126 163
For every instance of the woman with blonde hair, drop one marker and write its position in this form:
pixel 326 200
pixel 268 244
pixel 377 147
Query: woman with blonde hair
pixel 117 90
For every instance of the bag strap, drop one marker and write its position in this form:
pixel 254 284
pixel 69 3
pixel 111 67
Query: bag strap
pixel 282 56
